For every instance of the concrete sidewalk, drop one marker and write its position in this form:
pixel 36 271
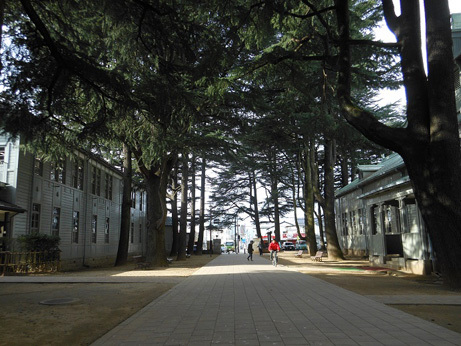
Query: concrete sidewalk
pixel 234 301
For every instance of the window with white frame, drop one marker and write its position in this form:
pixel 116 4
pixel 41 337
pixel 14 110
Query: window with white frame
pixel 376 225
pixel 140 232
pixel 354 229
pixel 133 198
pixel 361 221
pixel 35 219
pixel 391 217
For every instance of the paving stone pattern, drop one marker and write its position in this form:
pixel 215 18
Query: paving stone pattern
pixel 239 302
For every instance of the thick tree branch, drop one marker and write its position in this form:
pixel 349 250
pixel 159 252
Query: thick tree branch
pixel 392 21
pixel 88 73
pixel 362 120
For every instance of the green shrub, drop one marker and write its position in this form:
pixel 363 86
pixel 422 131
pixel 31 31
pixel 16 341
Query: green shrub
pixel 39 242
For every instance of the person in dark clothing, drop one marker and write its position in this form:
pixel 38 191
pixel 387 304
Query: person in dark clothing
pixel 260 248
pixel 250 251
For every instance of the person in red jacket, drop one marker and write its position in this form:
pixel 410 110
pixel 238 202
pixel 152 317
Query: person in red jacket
pixel 274 248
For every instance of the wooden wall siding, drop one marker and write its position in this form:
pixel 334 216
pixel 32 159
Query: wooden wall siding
pixel 413 246
pixel 377 247
pixel 23 192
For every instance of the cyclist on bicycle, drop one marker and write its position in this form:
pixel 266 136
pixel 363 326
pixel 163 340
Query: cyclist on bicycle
pixel 274 248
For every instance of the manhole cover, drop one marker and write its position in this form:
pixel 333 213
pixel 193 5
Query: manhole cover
pixel 59 301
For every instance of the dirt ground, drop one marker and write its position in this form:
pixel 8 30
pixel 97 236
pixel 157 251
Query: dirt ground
pixel 98 307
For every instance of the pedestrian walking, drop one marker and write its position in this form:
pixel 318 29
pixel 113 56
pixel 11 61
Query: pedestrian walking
pixel 250 251
pixel 260 248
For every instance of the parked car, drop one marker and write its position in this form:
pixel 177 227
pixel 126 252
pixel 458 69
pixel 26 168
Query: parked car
pixel 287 246
pixel 301 245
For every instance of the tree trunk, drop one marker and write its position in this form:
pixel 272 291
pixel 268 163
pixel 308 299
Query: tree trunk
pixel 122 252
pixel 191 242
pixel 321 233
pixel 202 209
pixel 174 212
pixel 156 217
pixel 334 250
pixel 309 225
pixel 183 216
pixel 275 197
pixel 254 203
pixel 344 171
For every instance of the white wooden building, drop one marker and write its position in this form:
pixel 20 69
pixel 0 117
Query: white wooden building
pixel 377 216
pixel 78 199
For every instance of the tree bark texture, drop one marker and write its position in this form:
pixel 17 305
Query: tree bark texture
pixel 309 224
pixel 334 250
pixel 202 208
pixel 174 212
pixel 183 215
pixel 122 252
pixel 191 242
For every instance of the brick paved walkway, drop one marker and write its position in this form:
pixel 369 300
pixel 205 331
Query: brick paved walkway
pixel 233 301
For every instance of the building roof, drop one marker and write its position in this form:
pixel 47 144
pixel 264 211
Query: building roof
pixel 387 166
pixel 9 207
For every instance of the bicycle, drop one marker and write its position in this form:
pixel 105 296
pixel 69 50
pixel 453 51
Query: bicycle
pixel 274 258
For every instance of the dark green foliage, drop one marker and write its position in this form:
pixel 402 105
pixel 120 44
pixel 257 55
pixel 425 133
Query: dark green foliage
pixel 39 242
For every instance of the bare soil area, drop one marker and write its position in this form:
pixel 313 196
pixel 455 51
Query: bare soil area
pixel 357 276
pixel 96 308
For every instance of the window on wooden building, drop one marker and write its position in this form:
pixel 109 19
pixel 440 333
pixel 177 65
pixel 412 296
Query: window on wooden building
pixel 106 230
pixel 133 199
pixel 75 226
pixel 132 233
pixel 376 221
pixel 361 221
pixel 354 229
pixel 391 217
pixel 94 228
pixel 345 224
pixel 2 155
pixel 77 174
pixel 411 216
pixel 96 182
pixel 58 172
pixel 56 221
pixel 35 219
pixel 108 186
pixel 38 166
